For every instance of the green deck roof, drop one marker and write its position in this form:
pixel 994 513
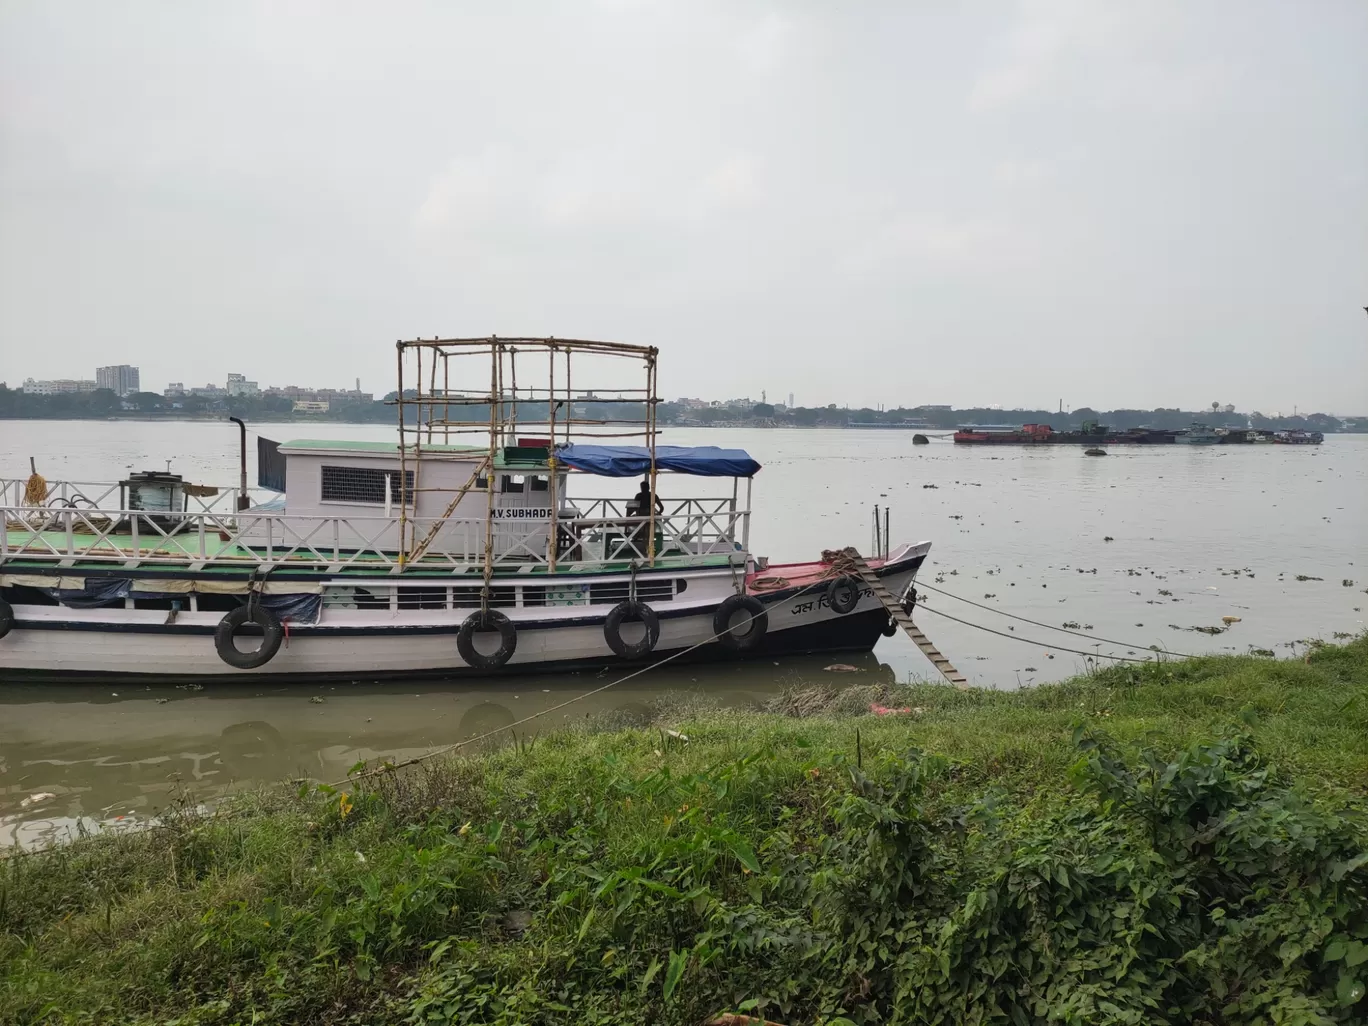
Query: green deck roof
pixel 392 449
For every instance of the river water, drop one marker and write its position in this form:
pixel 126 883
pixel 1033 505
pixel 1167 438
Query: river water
pixel 1139 547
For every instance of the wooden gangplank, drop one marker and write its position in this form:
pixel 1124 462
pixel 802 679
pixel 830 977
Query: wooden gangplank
pixel 895 610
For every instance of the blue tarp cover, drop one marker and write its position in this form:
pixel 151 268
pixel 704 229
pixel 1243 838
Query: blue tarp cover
pixel 635 460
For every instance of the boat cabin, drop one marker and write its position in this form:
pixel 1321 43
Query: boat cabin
pixel 439 503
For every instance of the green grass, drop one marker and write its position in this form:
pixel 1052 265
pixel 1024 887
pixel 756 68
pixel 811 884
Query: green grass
pixel 1180 843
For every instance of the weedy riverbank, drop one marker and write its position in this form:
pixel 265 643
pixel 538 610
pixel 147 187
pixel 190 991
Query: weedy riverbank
pixel 1173 843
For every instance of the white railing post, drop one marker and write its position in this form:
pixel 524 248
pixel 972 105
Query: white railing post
pixel 745 527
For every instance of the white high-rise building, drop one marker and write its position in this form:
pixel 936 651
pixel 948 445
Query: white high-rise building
pixel 121 379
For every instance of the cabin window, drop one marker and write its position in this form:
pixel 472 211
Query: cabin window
pixel 469 598
pixel 422 598
pixel 513 483
pixel 363 485
pixel 647 590
pixel 482 482
pixel 538 483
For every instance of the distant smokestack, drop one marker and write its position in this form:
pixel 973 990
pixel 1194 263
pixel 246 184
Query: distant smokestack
pixel 358 384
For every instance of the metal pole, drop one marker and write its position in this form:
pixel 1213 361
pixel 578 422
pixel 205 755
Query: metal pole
pixel 243 502
pixel 553 486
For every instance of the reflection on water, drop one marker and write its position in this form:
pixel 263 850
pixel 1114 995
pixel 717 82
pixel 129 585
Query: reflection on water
pixel 114 755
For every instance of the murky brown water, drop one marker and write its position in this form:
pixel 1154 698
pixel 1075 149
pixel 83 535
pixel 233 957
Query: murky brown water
pixel 1197 533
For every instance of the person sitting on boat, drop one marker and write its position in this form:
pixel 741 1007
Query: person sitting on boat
pixel 640 507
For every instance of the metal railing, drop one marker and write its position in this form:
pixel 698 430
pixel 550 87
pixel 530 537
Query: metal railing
pixel 601 533
pixel 94 495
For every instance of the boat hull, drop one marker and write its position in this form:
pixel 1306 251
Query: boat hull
pixel 58 643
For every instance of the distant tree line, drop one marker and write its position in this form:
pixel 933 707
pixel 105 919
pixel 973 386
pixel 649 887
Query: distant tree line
pixel 102 403
pixel 947 420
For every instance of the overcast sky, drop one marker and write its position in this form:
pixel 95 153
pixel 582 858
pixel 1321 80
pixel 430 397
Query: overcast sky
pixel 1112 204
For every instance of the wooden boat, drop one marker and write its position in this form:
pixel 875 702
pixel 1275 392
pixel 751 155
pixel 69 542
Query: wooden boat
pixel 424 557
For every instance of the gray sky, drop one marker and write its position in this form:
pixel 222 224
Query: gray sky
pixel 1113 204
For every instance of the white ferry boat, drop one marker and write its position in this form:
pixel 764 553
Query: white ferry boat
pixel 422 557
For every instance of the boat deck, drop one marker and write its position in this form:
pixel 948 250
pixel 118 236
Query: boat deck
pixel 29 550
pixel 795 575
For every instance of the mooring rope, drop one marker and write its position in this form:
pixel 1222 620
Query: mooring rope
pixel 445 749
pixel 1051 627
pixel 1038 644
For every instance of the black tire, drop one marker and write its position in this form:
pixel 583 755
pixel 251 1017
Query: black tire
pixel 890 628
pixel 631 612
pixel 755 627
pixel 487 620
pixel 6 618
pixel 272 634
pixel 909 601
pixel 843 594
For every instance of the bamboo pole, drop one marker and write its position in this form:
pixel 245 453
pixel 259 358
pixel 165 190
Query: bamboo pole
pixel 432 392
pixel 403 467
pixel 489 477
pixel 651 447
pixel 513 373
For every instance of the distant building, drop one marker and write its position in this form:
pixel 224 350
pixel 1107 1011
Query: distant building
pixel 1228 408
pixel 310 406
pixel 927 406
pixel 175 388
pixel 121 379
pixel 298 393
pixel 58 386
pixel 692 404
pixel 239 385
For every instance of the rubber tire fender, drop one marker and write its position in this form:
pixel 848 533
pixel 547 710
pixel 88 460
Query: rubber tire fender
pixel 759 622
pixel 890 628
pixel 272 634
pixel 6 618
pixel 631 611
pixel 487 620
pixel 843 594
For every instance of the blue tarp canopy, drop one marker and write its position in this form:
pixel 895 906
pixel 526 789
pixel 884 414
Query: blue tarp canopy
pixel 635 460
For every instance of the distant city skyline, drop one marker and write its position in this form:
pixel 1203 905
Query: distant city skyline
pixel 237 384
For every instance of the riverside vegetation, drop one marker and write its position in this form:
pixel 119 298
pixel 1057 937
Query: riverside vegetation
pixel 1168 843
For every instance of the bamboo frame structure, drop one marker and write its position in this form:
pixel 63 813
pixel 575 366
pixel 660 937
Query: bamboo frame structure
pixel 506 418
